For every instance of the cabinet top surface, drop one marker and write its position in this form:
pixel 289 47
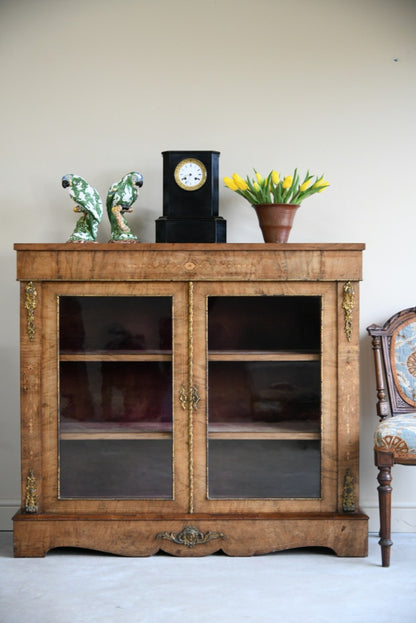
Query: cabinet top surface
pixel 216 247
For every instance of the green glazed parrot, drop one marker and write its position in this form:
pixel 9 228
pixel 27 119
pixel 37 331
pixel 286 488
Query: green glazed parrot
pixel 120 198
pixel 88 202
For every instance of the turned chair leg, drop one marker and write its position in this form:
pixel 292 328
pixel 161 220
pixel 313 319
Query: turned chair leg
pixel 384 499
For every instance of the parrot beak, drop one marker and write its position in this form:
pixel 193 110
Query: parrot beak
pixel 66 183
pixel 137 179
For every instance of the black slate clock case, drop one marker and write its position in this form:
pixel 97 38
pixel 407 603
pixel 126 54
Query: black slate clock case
pixel 190 215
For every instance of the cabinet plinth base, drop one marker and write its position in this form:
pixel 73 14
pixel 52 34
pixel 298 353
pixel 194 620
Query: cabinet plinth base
pixel 190 535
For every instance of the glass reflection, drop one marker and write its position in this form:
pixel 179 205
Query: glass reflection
pixel 250 394
pixel 264 323
pixel 264 469
pixel 264 405
pixel 115 397
pixel 115 323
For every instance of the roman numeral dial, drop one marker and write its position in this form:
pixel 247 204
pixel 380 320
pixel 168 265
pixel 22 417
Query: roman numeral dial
pixel 190 174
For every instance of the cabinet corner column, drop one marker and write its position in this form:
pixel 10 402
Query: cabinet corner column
pixel 348 395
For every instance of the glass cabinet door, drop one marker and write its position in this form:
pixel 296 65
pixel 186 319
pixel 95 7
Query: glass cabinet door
pixel 115 416
pixel 264 395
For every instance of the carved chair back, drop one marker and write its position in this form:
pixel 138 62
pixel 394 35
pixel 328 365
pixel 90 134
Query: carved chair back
pixel 394 346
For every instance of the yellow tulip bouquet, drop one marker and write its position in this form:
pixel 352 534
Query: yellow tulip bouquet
pixel 273 189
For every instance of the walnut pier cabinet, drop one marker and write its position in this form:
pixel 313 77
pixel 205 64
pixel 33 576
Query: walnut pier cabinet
pixel 189 398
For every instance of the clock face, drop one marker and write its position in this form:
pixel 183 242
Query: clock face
pixel 190 174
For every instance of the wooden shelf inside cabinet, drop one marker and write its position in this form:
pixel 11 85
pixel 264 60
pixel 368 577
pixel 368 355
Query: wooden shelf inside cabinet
pixel 70 430
pixel 116 356
pixel 286 430
pixel 262 356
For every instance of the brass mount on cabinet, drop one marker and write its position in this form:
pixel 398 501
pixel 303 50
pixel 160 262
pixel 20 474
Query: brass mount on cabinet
pixel 348 303
pixel 348 495
pixel 31 493
pixel 190 536
pixel 189 398
pixel 30 306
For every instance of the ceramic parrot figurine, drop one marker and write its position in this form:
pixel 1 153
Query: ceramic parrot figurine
pixel 120 198
pixel 88 202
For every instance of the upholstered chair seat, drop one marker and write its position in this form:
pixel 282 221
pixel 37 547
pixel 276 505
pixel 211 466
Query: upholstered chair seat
pixel 397 435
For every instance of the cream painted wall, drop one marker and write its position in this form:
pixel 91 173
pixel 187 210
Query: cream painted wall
pixel 101 88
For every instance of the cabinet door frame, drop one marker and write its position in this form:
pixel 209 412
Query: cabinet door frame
pixel 328 499
pixel 50 398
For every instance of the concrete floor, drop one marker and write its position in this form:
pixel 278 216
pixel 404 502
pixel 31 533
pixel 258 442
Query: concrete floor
pixel 71 586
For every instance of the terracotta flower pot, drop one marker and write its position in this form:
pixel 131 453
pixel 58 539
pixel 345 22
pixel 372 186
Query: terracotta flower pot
pixel 276 220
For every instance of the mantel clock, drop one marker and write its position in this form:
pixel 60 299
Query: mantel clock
pixel 190 198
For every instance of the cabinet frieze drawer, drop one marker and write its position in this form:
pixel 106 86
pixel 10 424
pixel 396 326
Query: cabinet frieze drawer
pixel 180 261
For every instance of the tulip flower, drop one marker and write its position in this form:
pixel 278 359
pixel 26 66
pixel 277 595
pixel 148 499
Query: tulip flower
pixel 241 184
pixel 304 186
pixel 291 189
pixel 321 184
pixel 230 183
pixel 275 177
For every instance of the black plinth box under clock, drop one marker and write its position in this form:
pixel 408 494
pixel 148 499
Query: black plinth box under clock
pixel 190 198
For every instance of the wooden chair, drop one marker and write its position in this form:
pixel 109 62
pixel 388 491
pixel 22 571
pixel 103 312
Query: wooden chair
pixel 394 347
